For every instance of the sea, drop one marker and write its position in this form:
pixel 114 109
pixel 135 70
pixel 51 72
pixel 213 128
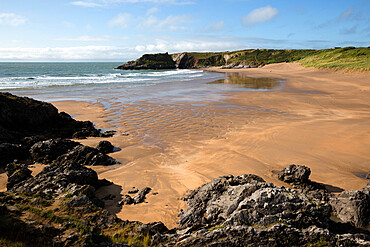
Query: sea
pixel 87 80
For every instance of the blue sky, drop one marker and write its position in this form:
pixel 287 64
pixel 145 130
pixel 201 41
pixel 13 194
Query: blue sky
pixel 120 30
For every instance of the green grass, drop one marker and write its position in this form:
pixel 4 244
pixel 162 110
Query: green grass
pixel 338 58
pixel 343 58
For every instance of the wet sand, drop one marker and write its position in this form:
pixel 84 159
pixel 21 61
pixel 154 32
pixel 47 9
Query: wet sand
pixel 316 118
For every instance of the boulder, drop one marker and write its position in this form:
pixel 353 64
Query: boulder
pixel 105 147
pixel 58 178
pixel 248 200
pixel 295 174
pixel 87 156
pixel 353 206
pixel 127 200
pixel 49 150
pixel 140 197
pixel 61 151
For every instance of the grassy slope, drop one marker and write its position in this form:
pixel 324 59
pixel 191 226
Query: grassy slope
pixel 346 58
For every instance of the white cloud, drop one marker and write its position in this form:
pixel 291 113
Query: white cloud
pixel 113 53
pixel 86 4
pixel 215 26
pixel 188 45
pixel 171 22
pixel 84 38
pixel 152 11
pixel 11 19
pixel 85 53
pixel 259 15
pixel 121 20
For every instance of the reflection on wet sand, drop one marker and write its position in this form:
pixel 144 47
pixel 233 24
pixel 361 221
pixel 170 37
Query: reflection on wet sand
pixel 241 80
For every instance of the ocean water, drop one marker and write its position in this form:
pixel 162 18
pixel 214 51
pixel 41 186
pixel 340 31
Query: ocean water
pixel 15 76
pixel 100 82
pixel 97 81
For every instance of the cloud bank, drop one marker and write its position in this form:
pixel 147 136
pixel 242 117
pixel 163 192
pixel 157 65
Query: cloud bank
pixel 259 15
pixel 11 19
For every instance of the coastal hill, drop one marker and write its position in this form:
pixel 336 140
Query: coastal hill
pixel 337 58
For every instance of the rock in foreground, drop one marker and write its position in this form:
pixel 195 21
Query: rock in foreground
pixel 25 121
pixel 247 211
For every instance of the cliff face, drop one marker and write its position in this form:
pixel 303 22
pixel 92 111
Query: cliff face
pixel 150 61
pixel 184 60
pixel 176 61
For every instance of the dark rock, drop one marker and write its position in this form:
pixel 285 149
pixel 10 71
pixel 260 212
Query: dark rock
pixel 295 174
pixel 134 191
pixel 150 61
pixel 9 152
pixel 49 150
pixel 25 121
pixel 105 147
pixel 22 117
pixel 109 133
pixel 140 197
pixel 56 179
pixel 16 174
pixel 61 151
pixel 127 200
pixel 87 156
pixel 80 201
pixel 353 206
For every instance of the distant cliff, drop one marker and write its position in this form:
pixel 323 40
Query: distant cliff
pixel 348 57
pixel 150 61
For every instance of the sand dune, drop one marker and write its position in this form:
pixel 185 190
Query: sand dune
pixel 319 118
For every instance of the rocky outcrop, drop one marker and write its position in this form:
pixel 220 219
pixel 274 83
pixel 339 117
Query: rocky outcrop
pixel 248 200
pixel 48 151
pixel 105 147
pixel 353 206
pixel 138 198
pixel 60 151
pixel 150 61
pixel 231 210
pixel 184 61
pixel 56 179
pixel 25 121
pixel 295 174
pixel 247 211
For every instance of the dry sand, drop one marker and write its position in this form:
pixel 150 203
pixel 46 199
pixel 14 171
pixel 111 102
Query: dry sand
pixel 319 118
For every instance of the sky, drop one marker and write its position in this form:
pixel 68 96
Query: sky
pixel 121 30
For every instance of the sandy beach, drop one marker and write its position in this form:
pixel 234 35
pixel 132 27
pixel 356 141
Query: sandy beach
pixel 318 118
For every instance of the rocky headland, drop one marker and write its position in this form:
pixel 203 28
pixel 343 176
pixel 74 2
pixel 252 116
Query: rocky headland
pixel 253 58
pixel 59 206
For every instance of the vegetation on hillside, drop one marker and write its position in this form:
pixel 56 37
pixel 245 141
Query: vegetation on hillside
pixel 346 58
pixel 343 58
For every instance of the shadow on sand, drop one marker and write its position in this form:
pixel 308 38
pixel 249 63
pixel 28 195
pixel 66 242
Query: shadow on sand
pixel 110 195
